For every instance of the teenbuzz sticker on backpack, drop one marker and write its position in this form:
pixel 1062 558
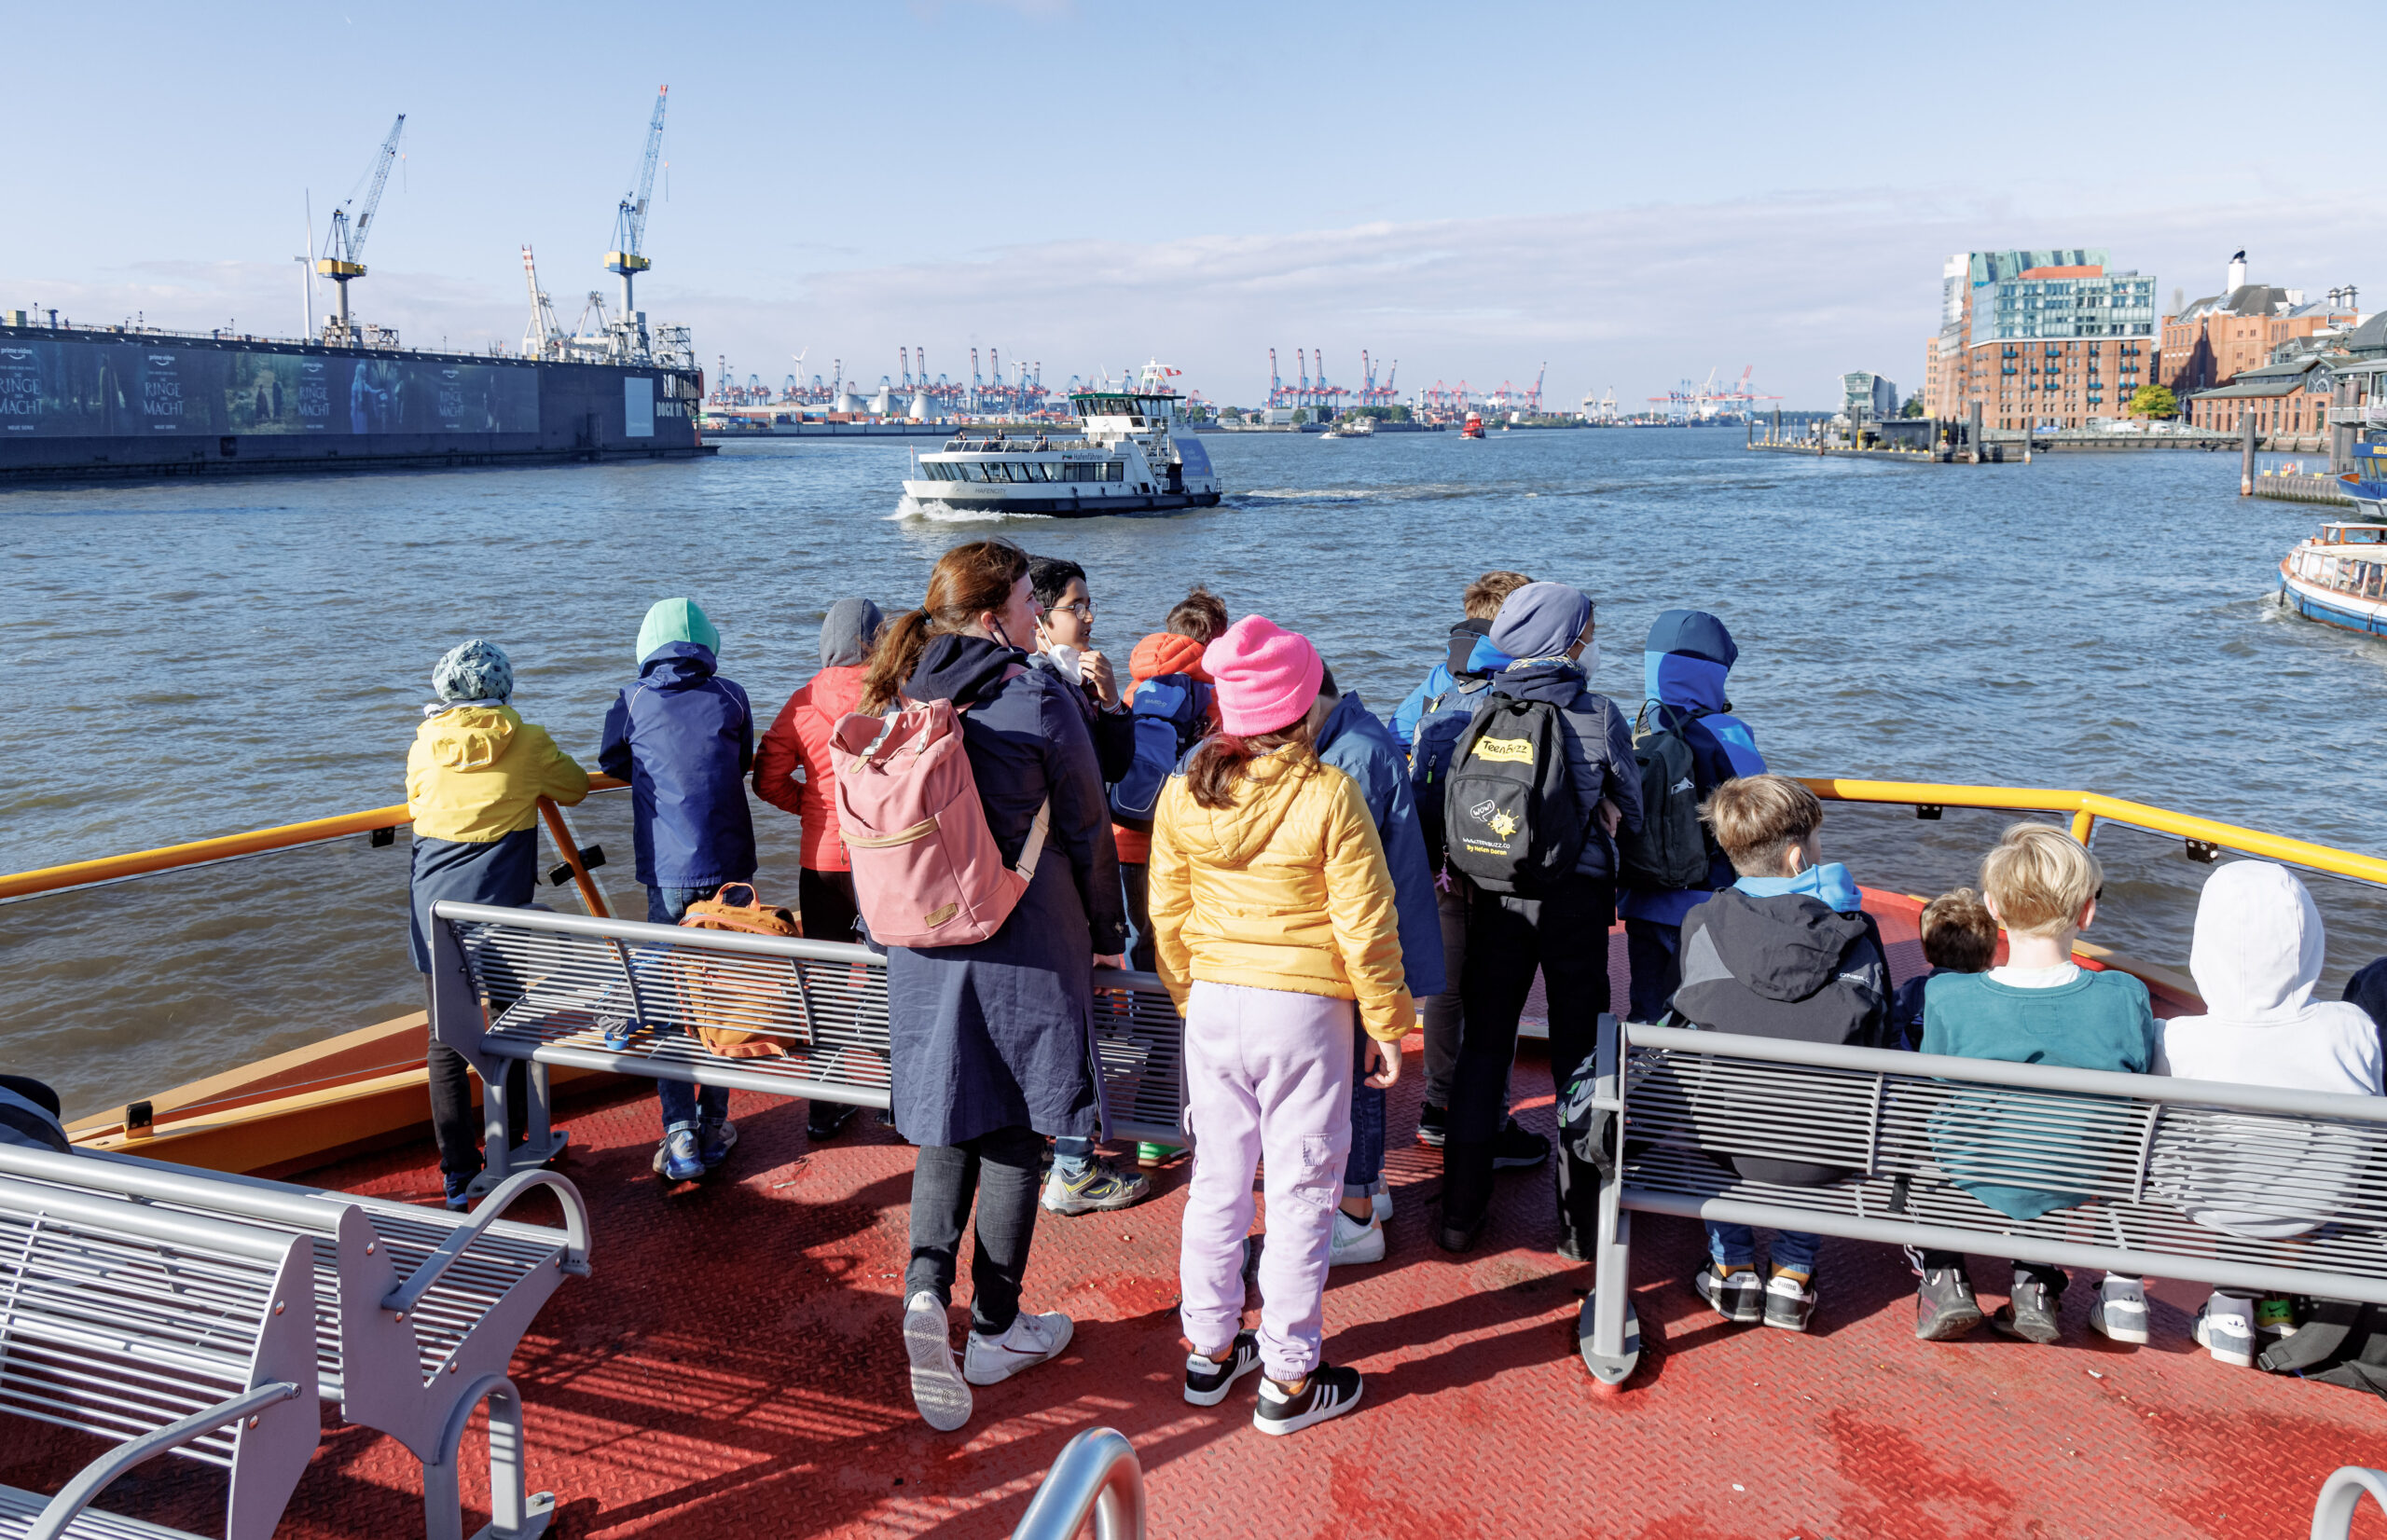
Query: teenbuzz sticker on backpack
pixel 1506 751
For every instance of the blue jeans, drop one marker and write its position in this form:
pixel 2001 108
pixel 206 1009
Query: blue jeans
pixel 1733 1246
pixel 1071 1153
pixel 683 1105
pixel 1364 1167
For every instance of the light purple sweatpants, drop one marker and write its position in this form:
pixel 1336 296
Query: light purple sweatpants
pixel 1267 1073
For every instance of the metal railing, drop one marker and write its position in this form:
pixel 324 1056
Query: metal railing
pixel 1098 1474
pixel 2341 1494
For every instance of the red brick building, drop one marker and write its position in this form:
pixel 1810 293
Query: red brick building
pixel 2213 340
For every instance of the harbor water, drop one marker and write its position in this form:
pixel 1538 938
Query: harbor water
pixel 193 660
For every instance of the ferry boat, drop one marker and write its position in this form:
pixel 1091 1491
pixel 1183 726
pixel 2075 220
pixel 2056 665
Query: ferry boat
pixel 1133 458
pixel 1473 427
pixel 727 1358
pixel 1358 427
pixel 2339 578
pixel 2366 485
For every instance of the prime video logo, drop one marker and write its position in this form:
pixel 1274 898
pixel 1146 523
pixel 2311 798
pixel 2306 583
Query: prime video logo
pixel 163 361
pixel 16 352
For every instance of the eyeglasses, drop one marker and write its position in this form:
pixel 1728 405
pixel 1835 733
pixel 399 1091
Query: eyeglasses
pixel 1084 610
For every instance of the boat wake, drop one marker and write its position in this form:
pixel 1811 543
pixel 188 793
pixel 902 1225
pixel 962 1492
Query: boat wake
pixel 936 512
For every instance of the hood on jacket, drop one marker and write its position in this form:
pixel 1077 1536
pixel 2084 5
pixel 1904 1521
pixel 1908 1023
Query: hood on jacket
pixel 1464 636
pixel 848 633
pixel 1686 660
pixel 678 665
pixel 1782 946
pixel 469 737
pixel 960 668
pixel 1829 882
pixel 1483 659
pixel 1557 681
pixel 1540 620
pixel 1166 652
pixel 1230 837
pixel 1348 710
pixel 2258 945
pixel 672 620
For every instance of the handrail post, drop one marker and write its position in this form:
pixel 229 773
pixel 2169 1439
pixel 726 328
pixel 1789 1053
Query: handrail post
pixel 1096 1473
pixel 2084 823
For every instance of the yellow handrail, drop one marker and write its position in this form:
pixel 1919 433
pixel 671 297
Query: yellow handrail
pixel 2087 807
pixel 49 879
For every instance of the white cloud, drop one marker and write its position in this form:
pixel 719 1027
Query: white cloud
pixel 1803 286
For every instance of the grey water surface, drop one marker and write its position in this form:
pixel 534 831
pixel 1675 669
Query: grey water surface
pixel 200 659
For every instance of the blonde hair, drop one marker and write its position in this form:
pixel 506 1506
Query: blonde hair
pixel 1959 932
pixel 2040 878
pixel 1482 598
pixel 1756 817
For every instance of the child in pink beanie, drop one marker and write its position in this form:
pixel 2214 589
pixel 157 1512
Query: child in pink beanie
pixel 1272 922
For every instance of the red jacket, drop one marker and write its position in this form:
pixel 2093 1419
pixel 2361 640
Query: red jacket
pixel 798 742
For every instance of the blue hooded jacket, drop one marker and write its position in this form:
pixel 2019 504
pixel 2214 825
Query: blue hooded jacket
pixel 1685 665
pixel 1473 657
pixel 1354 742
pixel 684 739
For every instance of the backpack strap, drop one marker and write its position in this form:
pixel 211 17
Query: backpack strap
pixel 1033 848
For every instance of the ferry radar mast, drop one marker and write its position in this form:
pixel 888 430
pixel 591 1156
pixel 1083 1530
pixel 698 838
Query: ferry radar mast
pixel 629 234
pixel 343 256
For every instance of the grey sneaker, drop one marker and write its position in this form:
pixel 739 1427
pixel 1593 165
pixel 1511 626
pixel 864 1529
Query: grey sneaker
pixel 2225 1328
pixel 2031 1315
pixel 1789 1301
pixel 1095 1190
pixel 1737 1296
pixel 1944 1306
pixel 2121 1309
pixel 937 1386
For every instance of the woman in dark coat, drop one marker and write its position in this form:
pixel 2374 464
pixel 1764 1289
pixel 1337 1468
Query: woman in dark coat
pixel 993 1044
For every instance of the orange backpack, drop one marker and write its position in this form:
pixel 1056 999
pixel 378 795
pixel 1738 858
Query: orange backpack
pixel 718 992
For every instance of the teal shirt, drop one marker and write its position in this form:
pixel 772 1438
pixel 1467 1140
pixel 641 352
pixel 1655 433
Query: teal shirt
pixel 2099 1020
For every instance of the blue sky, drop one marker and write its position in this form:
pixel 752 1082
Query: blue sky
pixel 1631 193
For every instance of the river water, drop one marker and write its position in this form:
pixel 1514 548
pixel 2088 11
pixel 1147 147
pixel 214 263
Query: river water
pixel 192 660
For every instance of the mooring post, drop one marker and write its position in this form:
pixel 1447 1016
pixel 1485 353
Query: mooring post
pixel 1972 433
pixel 2246 456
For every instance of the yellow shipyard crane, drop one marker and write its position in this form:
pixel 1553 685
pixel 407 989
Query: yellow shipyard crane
pixel 343 256
pixel 629 232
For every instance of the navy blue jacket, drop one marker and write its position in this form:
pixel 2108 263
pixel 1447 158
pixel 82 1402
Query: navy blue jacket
pixel 1354 742
pixel 1686 663
pixel 1599 751
pixel 684 738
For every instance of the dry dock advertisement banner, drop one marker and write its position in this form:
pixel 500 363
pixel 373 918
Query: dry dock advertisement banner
pixel 61 389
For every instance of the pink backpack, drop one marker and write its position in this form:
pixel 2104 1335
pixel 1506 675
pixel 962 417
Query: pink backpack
pixel 927 870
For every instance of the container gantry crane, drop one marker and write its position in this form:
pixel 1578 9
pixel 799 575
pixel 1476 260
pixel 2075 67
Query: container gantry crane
pixel 543 337
pixel 627 259
pixel 343 256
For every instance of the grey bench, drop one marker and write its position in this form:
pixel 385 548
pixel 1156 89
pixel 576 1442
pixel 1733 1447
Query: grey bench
pixel 2142 1151
pixel 417 1311
pixel 525 984
pixel 160 1332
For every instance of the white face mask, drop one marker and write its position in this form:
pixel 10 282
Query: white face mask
pixel 1590 658
pixel 1067 656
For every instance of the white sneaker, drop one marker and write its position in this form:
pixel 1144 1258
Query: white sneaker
pixel 1031 1341
pixel 937 1388
pixel 1380 1196
pixel 1355 1241
pixel 2225 1328
pixel 2121 1309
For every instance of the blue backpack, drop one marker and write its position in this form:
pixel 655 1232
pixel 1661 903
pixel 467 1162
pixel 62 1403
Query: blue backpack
pixel 1172 712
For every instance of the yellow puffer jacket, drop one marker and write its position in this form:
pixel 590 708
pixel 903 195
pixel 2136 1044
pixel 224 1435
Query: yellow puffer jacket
pixel 476 773
pixel 1287 889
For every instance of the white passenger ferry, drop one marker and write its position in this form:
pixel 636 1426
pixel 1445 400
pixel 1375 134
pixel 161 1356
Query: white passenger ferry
pixel 1129 460
pixel 2339 578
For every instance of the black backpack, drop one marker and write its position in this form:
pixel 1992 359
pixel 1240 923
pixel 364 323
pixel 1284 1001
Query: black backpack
pixel 1671 849
pixel 1512 823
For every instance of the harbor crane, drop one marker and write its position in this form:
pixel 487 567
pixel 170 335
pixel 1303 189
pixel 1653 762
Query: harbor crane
pixel 629 233
pixel 343 256
pixel 543 337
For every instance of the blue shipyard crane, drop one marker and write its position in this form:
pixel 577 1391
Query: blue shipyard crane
pixel 629 228
pixel 343 256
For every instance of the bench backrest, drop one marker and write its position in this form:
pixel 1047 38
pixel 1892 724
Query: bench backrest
pixel 2238 1186
pixel 118 1319
pixel 529 981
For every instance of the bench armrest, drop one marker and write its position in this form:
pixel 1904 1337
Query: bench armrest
pixel 576 1220
pixel 94 1477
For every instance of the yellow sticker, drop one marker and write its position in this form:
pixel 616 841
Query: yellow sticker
pixel 1507 750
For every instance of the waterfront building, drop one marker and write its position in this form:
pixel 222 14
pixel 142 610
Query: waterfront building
pixel 2040 338
pixel 1867 397
pixel 2210 342
pixel 2288 399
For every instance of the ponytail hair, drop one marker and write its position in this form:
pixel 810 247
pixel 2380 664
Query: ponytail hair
pixel 969 579
pixel 1222 760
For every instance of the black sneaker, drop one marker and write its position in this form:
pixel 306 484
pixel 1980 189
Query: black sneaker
pixel 1208 1380
pixel 1944 1306
pixel 821 1120
pixel 1516 1148
pixel 1331 1392
pixel 2031 1315
pixel 1460 1239
pixel 1789 1301
pixel 1737 1296
pixel 1430 1124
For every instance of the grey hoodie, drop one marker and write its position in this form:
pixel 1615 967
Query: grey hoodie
pixel 848 633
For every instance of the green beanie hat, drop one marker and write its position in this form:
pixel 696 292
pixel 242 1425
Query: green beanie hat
pixel 676 620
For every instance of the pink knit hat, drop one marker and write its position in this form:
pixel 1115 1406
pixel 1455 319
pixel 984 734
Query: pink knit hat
pixel 1266 676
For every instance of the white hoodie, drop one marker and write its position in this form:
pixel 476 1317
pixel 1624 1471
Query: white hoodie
pixel 2257 958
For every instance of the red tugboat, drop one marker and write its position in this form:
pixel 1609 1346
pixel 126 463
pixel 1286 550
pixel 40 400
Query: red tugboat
pixel 1473 427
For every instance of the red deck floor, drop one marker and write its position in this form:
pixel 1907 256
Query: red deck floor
pixel 733 1369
